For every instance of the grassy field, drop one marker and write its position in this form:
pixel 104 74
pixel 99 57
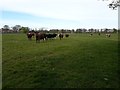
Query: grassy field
pixel 79 61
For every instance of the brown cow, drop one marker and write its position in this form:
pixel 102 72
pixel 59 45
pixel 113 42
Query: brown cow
pixel 40 36
pixel 30 35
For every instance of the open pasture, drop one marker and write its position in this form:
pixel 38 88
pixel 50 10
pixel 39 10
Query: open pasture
pixel 79 61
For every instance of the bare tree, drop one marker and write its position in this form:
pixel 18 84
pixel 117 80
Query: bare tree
pixel 114 4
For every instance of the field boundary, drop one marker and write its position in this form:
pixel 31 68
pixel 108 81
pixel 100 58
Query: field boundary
pixel 0 61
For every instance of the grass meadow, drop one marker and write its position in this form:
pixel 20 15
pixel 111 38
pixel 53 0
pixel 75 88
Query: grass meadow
pixel 79 61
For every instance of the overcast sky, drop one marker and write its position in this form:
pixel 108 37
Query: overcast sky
pixel 59 14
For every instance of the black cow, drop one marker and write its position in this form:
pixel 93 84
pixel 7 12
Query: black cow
pixel 40 36
pixel 51 36
pixel 91 34
pixel 61 36
pixel 66 35
pixel 54 35
pixel 99 34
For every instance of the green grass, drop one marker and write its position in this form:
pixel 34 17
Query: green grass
pixel 79 61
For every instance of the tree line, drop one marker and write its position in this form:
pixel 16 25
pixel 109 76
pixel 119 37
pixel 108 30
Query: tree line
pixel 22 29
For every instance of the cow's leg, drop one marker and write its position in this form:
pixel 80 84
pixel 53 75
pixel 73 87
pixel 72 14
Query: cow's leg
pixel 44 39
pixel 37 40
pixel 29 38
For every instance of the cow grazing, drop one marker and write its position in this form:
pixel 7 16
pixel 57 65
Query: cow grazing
pixel 51 36
pixel 108 35
pixel 33 34
pixel 91 34
pixel 30 35
pixel 54 35
pixel 99 34
pixel 66 35
pixel 40 36
pixel 61 36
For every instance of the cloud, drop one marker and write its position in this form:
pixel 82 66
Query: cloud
pixel 62 9
pixel 88 12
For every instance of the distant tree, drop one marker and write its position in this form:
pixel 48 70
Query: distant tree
pixel 73 30
pixel 24 29
pixel 6 27
pixel 84 30
pixel 78 30
pixel 101 30
pixel 53 31
pixel 95 30
pixel 106 30
pixel 114 30
pixel 62 31
pixel 91 30
pixel 16 28
pixel 69 31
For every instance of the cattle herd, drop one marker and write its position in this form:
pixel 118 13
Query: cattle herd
pixel 107 35
pixel 44 36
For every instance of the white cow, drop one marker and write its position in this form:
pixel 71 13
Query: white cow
pixel 108 35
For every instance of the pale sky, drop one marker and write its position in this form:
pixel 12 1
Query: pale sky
pixel 66 14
